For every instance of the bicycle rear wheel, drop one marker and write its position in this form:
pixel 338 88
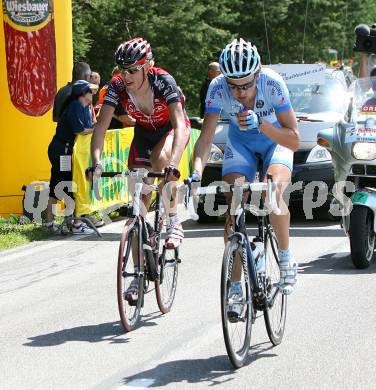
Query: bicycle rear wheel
pixel 165 285
pixel 275 312
pixel 237 334
pixel 129 255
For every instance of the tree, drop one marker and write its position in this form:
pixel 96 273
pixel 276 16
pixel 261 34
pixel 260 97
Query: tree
pixel 187 34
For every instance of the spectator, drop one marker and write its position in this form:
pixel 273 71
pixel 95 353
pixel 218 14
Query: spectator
pixel 368 70
pixel 367 63
pixel 75 118
pixel 120 118
pixel 372 100
pixel 81 71
pixel 213 72
pixel 95 78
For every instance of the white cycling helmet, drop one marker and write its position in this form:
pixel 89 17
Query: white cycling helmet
pixel 239 59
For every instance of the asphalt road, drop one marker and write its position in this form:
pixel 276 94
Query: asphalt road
pixel 59 324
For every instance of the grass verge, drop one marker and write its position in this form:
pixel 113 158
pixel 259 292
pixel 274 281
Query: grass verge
pixel 12 235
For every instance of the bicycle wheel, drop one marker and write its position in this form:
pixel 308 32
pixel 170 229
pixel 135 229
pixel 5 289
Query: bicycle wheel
pixel 129 255
pixel 275 312
pixel 237 334
pixel 165 285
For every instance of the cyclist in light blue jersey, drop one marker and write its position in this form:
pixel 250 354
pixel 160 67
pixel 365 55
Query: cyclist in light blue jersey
pixel 262 126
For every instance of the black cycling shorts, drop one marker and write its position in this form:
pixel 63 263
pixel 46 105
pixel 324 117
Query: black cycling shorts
pixel 143 143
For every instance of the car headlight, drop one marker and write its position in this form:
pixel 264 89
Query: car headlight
pixel 318 154
pixel 215 156
pixel 364 150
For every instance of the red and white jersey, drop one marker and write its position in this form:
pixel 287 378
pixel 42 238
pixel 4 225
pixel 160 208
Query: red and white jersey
pixel 165 92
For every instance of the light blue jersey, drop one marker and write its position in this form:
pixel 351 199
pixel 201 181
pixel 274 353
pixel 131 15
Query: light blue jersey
pixel 243 146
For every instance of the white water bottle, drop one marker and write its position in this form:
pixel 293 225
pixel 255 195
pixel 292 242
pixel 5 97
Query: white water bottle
pixel 259 256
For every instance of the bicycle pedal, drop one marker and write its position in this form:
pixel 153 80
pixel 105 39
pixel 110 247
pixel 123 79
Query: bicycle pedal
pixel 232 317
pixel 130 300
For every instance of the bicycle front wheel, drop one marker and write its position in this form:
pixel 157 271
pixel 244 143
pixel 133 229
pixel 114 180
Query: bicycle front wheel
pixel 165 285
pixel 275 311
pixel 129 257
pixel 236 331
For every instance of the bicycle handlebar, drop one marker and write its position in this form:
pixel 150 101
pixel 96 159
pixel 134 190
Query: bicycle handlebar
pixel 269 187
pixel 139 174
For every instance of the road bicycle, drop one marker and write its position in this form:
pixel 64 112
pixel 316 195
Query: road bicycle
pixel 260 273
pixel 142 254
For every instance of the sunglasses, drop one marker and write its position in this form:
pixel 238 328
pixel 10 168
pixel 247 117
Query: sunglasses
pixel 242 87
pixel 132 69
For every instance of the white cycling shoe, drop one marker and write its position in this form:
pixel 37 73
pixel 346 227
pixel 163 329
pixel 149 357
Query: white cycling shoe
pixel 175 234
pixel 235 302
pixel 288 275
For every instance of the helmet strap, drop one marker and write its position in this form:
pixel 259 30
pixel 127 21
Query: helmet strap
pixel 143 79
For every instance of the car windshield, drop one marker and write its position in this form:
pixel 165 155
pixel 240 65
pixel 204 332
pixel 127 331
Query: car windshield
pixel 315 98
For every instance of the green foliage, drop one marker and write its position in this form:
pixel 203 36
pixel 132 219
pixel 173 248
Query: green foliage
pixel 14 234
pixel 187 34
pixel 81 38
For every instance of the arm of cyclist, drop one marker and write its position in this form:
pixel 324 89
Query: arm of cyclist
pixel 204 142
pixel 287 135
pixel 99 133
pixel 121 115
pixel 177 119
pixel 126 120
pixel 363 68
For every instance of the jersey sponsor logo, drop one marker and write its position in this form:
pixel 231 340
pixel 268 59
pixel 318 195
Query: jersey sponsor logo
pixel 130 107
pixel 112 93
pixel 260 103
pixel 169 97
pixel 229 154
pixel 276 88
pixel 168 90
pixel 264 113
pixel 160 84
pixel 159 107
pixel 215 90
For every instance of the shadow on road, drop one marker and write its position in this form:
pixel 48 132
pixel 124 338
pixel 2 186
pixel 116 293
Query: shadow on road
pixel 334 263
pixel 215 370
pixel 259 351
pixel 108 331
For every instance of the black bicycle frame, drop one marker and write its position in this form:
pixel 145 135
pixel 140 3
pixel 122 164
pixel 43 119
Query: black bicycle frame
pixel 240 229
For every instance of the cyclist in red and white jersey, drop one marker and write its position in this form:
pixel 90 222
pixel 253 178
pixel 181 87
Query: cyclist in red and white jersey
pixel 151 96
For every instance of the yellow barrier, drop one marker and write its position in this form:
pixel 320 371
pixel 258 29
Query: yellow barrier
pixel 114 158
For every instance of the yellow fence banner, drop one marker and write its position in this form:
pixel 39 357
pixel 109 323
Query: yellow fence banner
pixel 113 191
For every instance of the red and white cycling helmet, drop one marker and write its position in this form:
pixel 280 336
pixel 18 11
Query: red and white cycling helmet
pixel 136 51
